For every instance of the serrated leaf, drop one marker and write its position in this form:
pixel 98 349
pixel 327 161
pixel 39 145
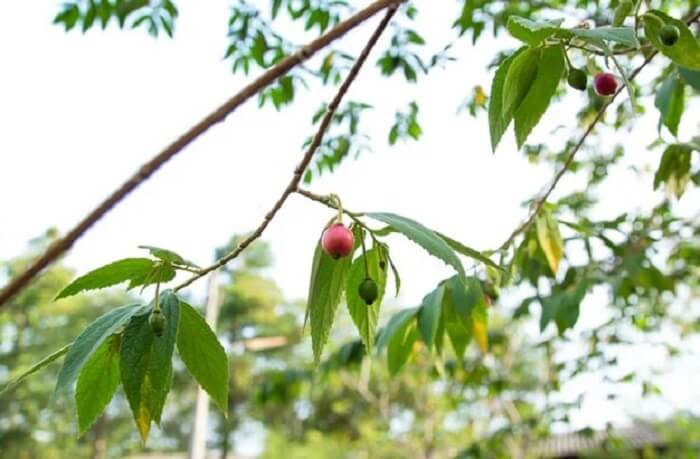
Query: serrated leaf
pixel 519 79
pixel 400 345
pixel 363 315
pixel 17 380
pixel 168 256
pixel 203 355
pixel 670 101
pixel 623 35
pixel 499 120
pixel 328 279
pixel 550 239
pixel 422 236
pixel 114 273
pixel 89 341
pixel 429 316
pixel 146 363
pixel 161 273
pixel 685 52
pixel 532 32
pixel 97 383
pixel 550 68
pixel 468 251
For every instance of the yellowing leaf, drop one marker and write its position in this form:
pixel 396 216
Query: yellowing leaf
pixel 481 335
pixel 550 239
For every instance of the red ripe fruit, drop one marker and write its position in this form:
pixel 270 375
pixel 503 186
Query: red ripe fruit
pixel 337 241
pixel 605 84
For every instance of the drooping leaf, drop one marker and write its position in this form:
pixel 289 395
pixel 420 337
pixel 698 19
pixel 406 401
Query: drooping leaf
pixel 674 169
pixel 145 363
pixel 480 326
pixel 328 280
pixel 550 239
pixel 519 79
pixel 422 236
pixel 363 315
pixel 569 308
pixel 459 334
pixel 429 315
pixel 89 341
pixel 115 273
pixel 203 355
pixel 168 256
pixel 690 77
pixel 670 101
pixel 468 251
pixel 532 32
pixel 623 35
pixel 499 120
pixel 396 321
pixel 536 32
pixel 97 383
pixel 685 52
pixel 550 68
pixel 401 340
pixel 160 273
pixel 17 380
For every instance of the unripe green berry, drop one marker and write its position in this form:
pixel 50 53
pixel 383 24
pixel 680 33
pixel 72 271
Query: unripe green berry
pixel 669 34
pixel 578 79
pixel 157 322
pixel 368 291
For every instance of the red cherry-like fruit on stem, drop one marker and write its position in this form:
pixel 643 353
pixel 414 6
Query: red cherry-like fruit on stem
pixel 605 84
pixel 337 241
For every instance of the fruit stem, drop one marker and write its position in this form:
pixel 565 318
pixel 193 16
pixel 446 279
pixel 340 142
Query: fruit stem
pixel 364 252
pixel 156 305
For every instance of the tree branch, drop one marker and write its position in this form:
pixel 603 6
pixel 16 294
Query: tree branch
pixel 62 245
pixel 303 164
pixel 570 159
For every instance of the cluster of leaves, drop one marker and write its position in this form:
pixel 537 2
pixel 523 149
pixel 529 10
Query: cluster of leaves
pixel 154 16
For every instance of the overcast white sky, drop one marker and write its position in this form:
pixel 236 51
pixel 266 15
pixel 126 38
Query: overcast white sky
pixel 78 114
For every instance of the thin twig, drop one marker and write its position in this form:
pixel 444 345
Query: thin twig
pixel 62 245
pixel 303 164
pixel 570 159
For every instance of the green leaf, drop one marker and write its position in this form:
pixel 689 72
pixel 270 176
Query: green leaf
pixel 429 315
pixel 401 340
pixel 168 256
pixel 685 52
pixel 691 77
pixel 97 383
pixel 520 78
pixel 532 32
pixel 161 273
pixel 569 308
pixel 459 334
pixel 499 120
pixel 396 322
pixel 550 239
pixel 674 169
pixel 146 363
pixel 670 101
pixel 366 316
pixel 89 341
pixel 422 236
pixel 115 273
pixel 468 251
pixel 16 381
pixel 328 279
pixel 203 355
pixel 623 35
pixel 549 71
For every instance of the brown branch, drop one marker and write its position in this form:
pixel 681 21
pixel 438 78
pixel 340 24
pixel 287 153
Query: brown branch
pixel 62 245
pixel 570 159
pixel 303 164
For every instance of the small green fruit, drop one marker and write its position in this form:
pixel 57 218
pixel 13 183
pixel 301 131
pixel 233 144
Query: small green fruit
pixel 578 79
pixel 157 322
pixel 368 291
pixel 669 34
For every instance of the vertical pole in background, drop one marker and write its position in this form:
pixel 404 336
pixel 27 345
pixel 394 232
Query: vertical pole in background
pixel 198 443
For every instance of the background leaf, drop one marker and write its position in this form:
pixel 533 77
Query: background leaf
pixel 203 355
pixel 670 101
pixel 550 239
